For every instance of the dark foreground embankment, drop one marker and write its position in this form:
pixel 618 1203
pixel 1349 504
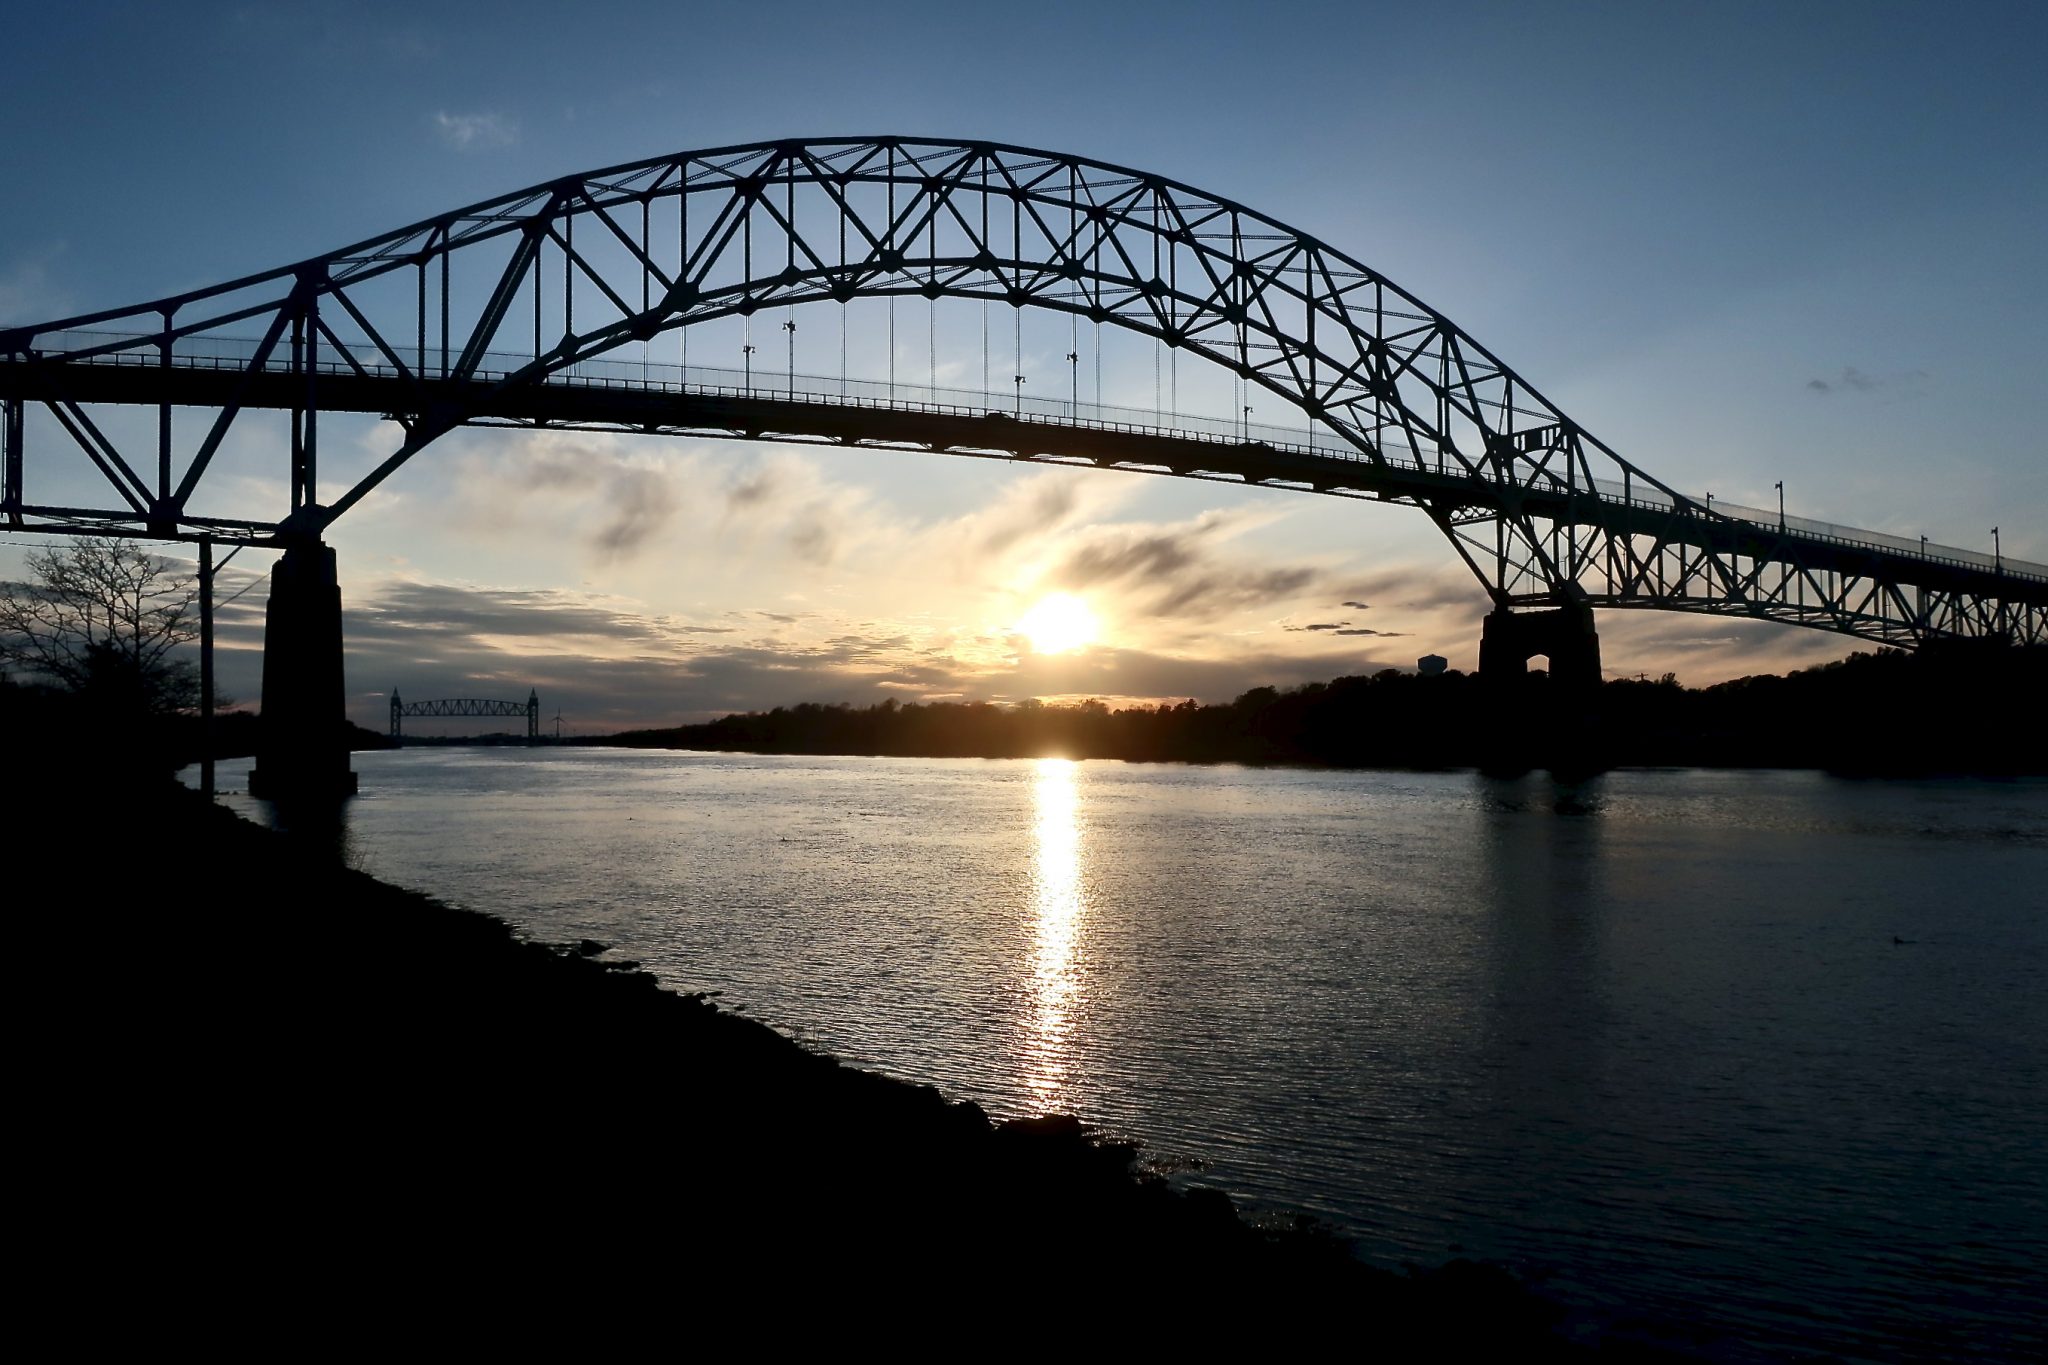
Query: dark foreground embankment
pixel 268 1100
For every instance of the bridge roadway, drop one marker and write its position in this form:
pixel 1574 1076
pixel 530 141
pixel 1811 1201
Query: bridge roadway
pixel 775 412
pixel 769 412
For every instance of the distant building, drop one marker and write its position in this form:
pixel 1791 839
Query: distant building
pixel 1431 665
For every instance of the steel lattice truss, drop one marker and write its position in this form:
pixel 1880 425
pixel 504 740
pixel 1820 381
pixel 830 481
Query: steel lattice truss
pixel 464 707
pixel 491 314
pixel 460 707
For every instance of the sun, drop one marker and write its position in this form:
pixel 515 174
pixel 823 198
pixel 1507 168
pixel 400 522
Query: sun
pixel 1058 623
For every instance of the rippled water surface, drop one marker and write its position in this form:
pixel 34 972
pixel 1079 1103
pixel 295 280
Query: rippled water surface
pixel 1650 1037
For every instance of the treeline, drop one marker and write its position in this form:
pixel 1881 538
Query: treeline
pixel 1958 710
pixel 85 734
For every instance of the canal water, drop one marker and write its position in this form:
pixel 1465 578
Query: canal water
pixel 1765 1053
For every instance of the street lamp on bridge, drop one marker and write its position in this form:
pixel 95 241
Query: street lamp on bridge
pixel 790 327
pixel 1020 394
pixel 747 361
pixel 1781 506
pixel 1074 372
pixel 1997 555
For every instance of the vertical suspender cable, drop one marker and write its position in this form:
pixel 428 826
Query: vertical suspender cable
pixel 931 311
pixel 891 240
pixel 844 300
pixel 986 284
pixel 683 256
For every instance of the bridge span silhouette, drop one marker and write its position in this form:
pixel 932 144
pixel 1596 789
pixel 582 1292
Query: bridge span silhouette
pixel 466 708
pixel 517 312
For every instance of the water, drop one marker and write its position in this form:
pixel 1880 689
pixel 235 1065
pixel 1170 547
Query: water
pixel 1648 1039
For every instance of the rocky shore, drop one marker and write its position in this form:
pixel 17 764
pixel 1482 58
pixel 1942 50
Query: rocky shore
pixel 264 1094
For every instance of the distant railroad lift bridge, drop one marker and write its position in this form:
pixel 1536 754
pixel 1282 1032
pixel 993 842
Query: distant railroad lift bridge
pixel 503 314
pixel 466 707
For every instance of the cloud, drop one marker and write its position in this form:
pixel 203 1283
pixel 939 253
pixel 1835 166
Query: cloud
pixel 1414 588
pixel 1358 606
pixel 1706 649
pixel 1853 380
pixel 475 132
pixel 1345 628
pixel 618 501
pixel 1031 508
pixel 1177 570
pixel 608 663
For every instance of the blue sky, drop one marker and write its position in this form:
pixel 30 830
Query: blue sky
pixel 1739 243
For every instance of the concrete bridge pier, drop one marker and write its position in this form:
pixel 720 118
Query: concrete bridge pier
pixel 303 750
pixel 1567 742
pixel 1565 635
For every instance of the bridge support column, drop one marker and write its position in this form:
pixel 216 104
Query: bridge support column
pixel 303 746
pixel 1568 741
pixel 1566 635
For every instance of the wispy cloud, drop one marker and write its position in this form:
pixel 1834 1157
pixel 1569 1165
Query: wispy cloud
pixel 1344 628
pixel 479 132
pixel 1180 570
pixel 1853 380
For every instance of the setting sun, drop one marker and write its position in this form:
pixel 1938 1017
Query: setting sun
pixel 1058 623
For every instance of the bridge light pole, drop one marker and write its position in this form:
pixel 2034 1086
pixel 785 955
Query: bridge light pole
pixel 1247 423
pixel 747 360
pixel 206 666
pixel 1020 395
pixel 1781 506
pixel 1997 555
pixel 1074 372
pixel 790 327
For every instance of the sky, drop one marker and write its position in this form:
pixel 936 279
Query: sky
pixel 1739 243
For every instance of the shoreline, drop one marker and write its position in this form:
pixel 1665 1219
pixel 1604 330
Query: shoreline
pixel 317 1058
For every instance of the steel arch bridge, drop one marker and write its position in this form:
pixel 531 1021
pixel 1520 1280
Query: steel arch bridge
pixel 504 313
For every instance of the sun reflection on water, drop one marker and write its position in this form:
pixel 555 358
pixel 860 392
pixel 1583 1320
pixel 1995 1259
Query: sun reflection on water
pixel 1059 903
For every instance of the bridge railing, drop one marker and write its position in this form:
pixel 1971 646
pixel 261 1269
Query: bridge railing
pixel 235 353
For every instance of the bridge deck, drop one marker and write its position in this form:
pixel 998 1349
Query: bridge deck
pixel 762 412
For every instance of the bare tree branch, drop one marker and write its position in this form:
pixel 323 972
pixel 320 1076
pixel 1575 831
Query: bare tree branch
pixel 100 616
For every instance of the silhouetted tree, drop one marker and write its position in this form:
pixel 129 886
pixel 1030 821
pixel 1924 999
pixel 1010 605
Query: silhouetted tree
pixel 101 619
